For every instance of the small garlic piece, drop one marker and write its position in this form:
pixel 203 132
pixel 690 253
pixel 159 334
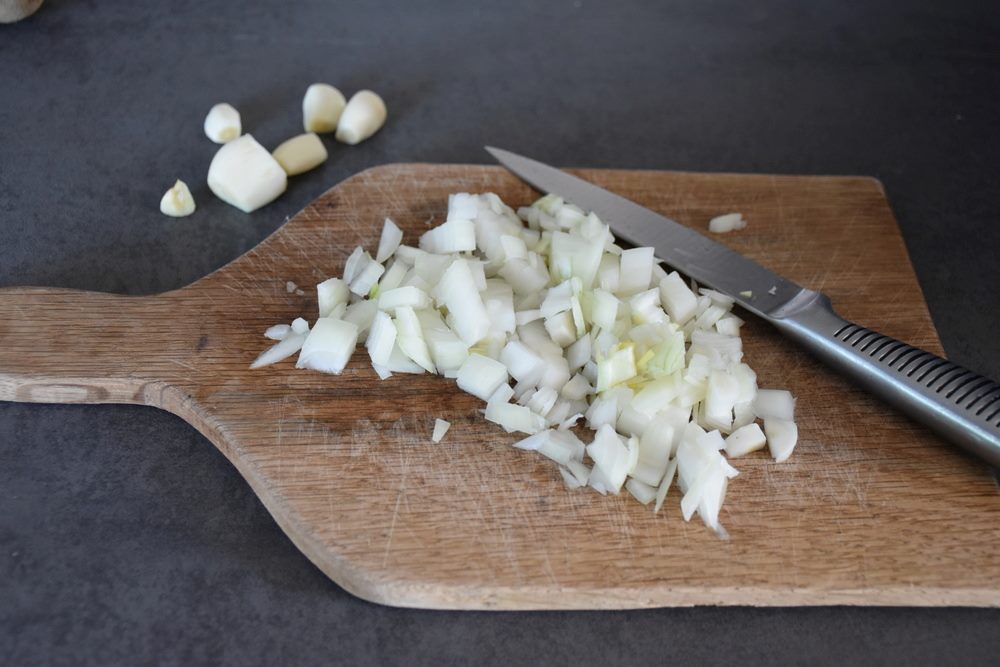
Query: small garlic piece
pixel 300 154
pixel 363 116
pixel 322 107
pixel 245 175
pixel 222 124
pixel 177 202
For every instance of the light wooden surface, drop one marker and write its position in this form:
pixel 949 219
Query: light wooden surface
pixel 869 510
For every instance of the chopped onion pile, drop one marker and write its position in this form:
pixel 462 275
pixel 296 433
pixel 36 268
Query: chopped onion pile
pixel 552 323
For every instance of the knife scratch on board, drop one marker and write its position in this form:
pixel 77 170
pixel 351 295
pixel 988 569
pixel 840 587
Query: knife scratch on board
pixel 395 514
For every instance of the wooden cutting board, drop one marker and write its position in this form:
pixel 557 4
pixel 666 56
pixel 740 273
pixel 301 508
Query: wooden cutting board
pixel 870 509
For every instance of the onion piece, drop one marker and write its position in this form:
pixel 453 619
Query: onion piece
pixel 744 440
pixel 774 404
pixel 288 346
pixel 677 299
pixel 410 338
pixel 668 479
pixel 457 292
pixel 726 223
pixel 440 428
pixel 330 293
pixel 642 492
pixel 571 480
pixel 481 376
pixel 611 457
pixel 381 339
pixel 329 346
pixel 782 436
pixel 636 271
pixel 391 237
pixel 516 418
pixel 278 332
pixel 408 296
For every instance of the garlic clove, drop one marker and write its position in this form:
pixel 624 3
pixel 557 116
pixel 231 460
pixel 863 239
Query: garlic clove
pixel 222 124
pixel 322 107
pixel 363 116
pixel 15 10
pixel 300 154
pixel 245 175
pixel 177 202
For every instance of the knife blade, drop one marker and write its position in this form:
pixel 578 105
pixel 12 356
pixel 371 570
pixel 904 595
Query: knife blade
pixel 708 262
pixel 955 402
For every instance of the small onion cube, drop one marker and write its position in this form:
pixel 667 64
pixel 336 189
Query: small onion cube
pixel 395 274
pixel 636 271
pixel 522 362
pixel 329 346
pixel 452 236
pixel 410 338
pixel 517 418
pixel 361 314
pixel 618 367
pixel 563 447
pixel 561 328
pixel 642 492
pixel 677 298
pixel 782 436
pixel 458 293
pixel 278 332
pixel 611 457
pixel 381 339
pixel 774 404
pixel 603 308
pixel 481 376
pixel 441 427
pixel 744 440
pixel 409 296
pixel 525 316
pixel 726 223
pixel 391 237
pixel 577 388
pixel 720 399
pixel 533 442
pixel 330 293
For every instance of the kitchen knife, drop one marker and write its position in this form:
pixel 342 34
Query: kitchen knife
pixel 959 404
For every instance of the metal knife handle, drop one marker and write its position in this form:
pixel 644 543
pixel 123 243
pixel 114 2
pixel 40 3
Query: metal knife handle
pixel 960 405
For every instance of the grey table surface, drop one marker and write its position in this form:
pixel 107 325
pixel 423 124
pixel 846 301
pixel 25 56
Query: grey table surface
pixel 125 537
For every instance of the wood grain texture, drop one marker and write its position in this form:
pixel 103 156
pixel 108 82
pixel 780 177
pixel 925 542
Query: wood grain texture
pixel 871 509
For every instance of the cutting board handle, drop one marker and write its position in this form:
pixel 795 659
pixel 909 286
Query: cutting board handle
pixel 71 346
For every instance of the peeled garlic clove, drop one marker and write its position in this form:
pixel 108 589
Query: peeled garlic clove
pixel 15 10
pixel 300 154
pixel 222 124
pixel 177 202
pixel 245 175
pixel 363 116
pixel 322 107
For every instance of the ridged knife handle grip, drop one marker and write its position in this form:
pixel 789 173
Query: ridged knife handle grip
pixel 959 404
